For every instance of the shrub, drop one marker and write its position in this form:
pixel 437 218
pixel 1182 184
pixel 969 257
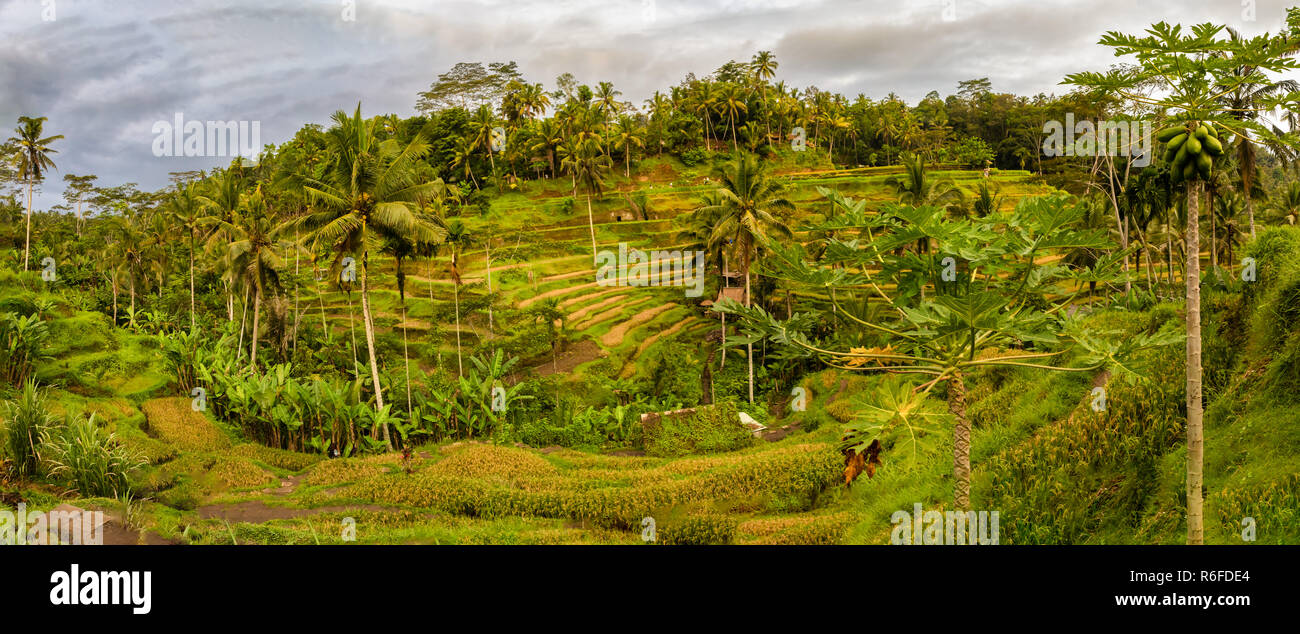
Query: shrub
pixel 709 429
pixel 695 156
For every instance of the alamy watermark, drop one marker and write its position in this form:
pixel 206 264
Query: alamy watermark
pixel 74 527
pixel 207 138
pixel 634 267
pixel 933 528
pixel 1099 138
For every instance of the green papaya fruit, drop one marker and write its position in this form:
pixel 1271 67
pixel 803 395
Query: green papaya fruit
pixel 1213 146
pixel 1166 135
pixel 1193 146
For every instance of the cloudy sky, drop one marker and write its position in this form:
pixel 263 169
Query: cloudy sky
pixel 104 71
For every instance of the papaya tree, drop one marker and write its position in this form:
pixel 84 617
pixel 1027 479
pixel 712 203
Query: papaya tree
pixel 1197 68
pixel 988 292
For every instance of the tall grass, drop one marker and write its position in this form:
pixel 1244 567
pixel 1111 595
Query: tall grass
pixel 89 459
pixel 25 425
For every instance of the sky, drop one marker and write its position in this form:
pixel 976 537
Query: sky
pixel 106 71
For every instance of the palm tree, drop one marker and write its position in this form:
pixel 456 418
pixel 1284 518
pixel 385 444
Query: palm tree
pixel 764 67
pixel 1286 203
pixel 370 189
pixel 462 155
pixel 549 136
pixel 918 189
pixel 482 124
pixel 224 197
pixel 33 159
pixel 703 102
pixel 588 166
pixel 186 207
pixel 626 136
pixel 746 206
pixel 730 103
pixel 249 251
pixel 1243 102
pixel 606 101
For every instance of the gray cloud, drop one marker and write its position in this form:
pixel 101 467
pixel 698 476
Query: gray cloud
pixel 104 72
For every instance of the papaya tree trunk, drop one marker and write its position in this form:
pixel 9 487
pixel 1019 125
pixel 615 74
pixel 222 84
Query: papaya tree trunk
pixel 961 442
pixel 1195 437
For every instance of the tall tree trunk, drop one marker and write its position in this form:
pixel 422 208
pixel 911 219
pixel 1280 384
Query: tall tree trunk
pixel 488 260
pixel 1250 211
pixel 749 347
pixel 406 359
pixel 960 442
pixel 191 281
pixel 455 290
pixel 370 341
pixel 591 224
pixel 243 319
pixel 257 320
pixel 27 248
pixel 734 147
pixel 1195 435
pixel 352 331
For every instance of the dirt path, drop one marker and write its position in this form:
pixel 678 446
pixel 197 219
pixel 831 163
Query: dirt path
pixel 615 336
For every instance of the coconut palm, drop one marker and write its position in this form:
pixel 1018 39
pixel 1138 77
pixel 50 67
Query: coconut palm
pixel 33 158
pixel 588 165
pixel 1286 203
pixel 627 135
pixel 917 188
pixel 764 67
pixel 247 247
pixel 186 208
pixel 747 207
pixel 1242 100
pixel 369 190
pixel 482 123
pixel 732 103
pixel 462 156
pixel 223 199
pixel 703 100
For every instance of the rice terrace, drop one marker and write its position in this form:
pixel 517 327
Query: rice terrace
pixel 732 308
